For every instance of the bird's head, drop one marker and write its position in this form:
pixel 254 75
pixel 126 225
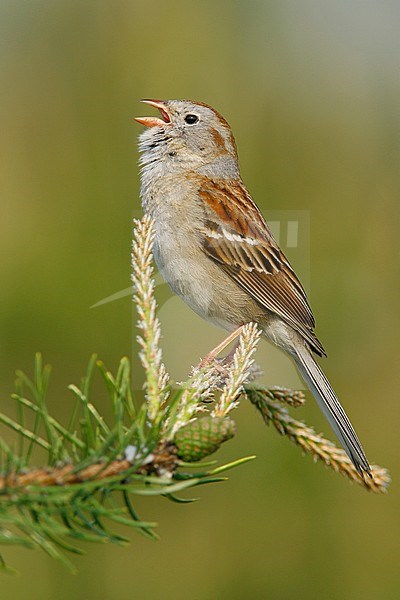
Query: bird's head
pixel 188 135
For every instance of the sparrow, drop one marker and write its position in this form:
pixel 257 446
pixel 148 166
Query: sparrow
pixel 216 251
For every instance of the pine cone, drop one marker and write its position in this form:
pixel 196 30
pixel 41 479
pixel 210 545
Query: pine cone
pixel 202 437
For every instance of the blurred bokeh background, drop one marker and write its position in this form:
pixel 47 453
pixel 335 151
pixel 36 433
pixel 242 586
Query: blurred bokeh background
pixel 311 90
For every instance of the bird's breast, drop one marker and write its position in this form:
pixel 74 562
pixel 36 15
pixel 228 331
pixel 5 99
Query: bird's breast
pixel 179 215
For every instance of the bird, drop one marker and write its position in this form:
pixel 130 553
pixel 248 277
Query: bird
pixel 214 248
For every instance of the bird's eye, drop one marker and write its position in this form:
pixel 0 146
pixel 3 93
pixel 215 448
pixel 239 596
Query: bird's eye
pixel 191 119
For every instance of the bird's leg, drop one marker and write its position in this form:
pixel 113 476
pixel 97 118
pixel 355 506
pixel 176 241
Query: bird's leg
pixel 211 356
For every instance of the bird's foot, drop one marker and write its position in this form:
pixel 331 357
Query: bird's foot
pixel 211 357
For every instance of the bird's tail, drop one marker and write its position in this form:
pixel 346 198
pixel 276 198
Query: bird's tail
pixel 331 407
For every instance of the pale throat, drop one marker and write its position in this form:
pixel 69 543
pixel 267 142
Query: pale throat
pixel 164 178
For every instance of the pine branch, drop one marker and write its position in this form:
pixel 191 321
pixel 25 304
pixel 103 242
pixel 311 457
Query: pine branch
pixel 151 353
pixel 94 467
pixel 269 403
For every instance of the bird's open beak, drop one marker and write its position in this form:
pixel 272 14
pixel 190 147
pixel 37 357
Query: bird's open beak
pixel 155 121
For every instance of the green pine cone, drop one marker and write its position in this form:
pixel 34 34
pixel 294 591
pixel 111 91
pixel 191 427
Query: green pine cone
pixel 202 437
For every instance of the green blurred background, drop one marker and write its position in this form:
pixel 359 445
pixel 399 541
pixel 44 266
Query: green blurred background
pixel 311 90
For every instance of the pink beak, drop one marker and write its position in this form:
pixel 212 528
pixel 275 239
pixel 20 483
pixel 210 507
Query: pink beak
pixel 155 121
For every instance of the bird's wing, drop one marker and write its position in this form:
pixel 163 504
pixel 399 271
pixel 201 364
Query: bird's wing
pixel 239 240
